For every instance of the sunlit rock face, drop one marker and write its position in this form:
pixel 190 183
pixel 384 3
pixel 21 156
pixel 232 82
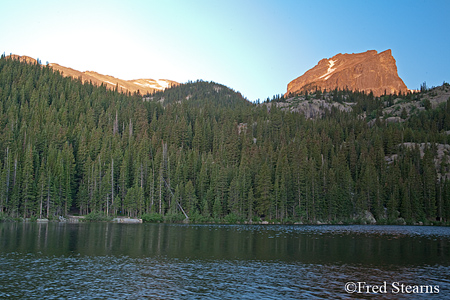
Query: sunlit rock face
pixel 143 86
pixel 367 71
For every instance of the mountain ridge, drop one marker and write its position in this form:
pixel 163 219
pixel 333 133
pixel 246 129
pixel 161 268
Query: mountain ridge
pixel 143 86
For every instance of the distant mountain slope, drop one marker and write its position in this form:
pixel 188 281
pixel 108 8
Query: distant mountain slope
pixel 200 93
pixel 368 71
pixel 144 86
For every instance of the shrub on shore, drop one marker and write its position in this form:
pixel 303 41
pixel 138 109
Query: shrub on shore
pixel 96 216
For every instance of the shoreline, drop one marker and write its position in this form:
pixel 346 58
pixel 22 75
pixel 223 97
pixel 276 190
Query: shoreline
pixel 128 220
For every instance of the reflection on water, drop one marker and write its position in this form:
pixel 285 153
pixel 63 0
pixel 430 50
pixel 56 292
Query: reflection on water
pixel 127 261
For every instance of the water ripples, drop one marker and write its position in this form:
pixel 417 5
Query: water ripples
pixel 109 261
pixel 110 277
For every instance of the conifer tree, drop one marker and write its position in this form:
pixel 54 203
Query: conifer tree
pixel 28 185
pixel 264 190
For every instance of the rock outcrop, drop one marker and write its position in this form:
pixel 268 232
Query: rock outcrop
pixel 367 71
pixel 311 108
pixel 144 86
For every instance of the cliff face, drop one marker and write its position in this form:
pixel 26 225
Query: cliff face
pixel 367 71
pixel 144 86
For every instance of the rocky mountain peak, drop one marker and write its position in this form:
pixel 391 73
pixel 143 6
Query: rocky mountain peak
pixel 367 71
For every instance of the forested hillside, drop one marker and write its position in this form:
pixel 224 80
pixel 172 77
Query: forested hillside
pixel 72 147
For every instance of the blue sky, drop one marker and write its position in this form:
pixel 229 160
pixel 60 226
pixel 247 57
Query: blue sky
pixel 255 47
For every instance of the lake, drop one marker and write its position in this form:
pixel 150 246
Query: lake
pixel 179 261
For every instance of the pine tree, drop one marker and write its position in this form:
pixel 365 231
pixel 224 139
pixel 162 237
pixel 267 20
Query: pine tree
pixel 28 188
pixel 234 199
pixel 264 189
pixel 191 198
pixel 42 188
pixel 429 184
pixel 250 200
pixel 217 208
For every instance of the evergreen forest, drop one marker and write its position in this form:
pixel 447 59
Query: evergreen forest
pixel 202 150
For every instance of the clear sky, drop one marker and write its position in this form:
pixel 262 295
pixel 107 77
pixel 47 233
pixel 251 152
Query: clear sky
pixel 255 47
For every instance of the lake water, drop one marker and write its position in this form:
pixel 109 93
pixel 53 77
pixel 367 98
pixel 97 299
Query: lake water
pixel 174 261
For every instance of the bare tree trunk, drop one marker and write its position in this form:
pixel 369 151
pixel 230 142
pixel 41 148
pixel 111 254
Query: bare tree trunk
pixel 152 188
pixel 40 201
pixel 48 197
pixel 7 176
pixel 112 184
pixel 160 191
